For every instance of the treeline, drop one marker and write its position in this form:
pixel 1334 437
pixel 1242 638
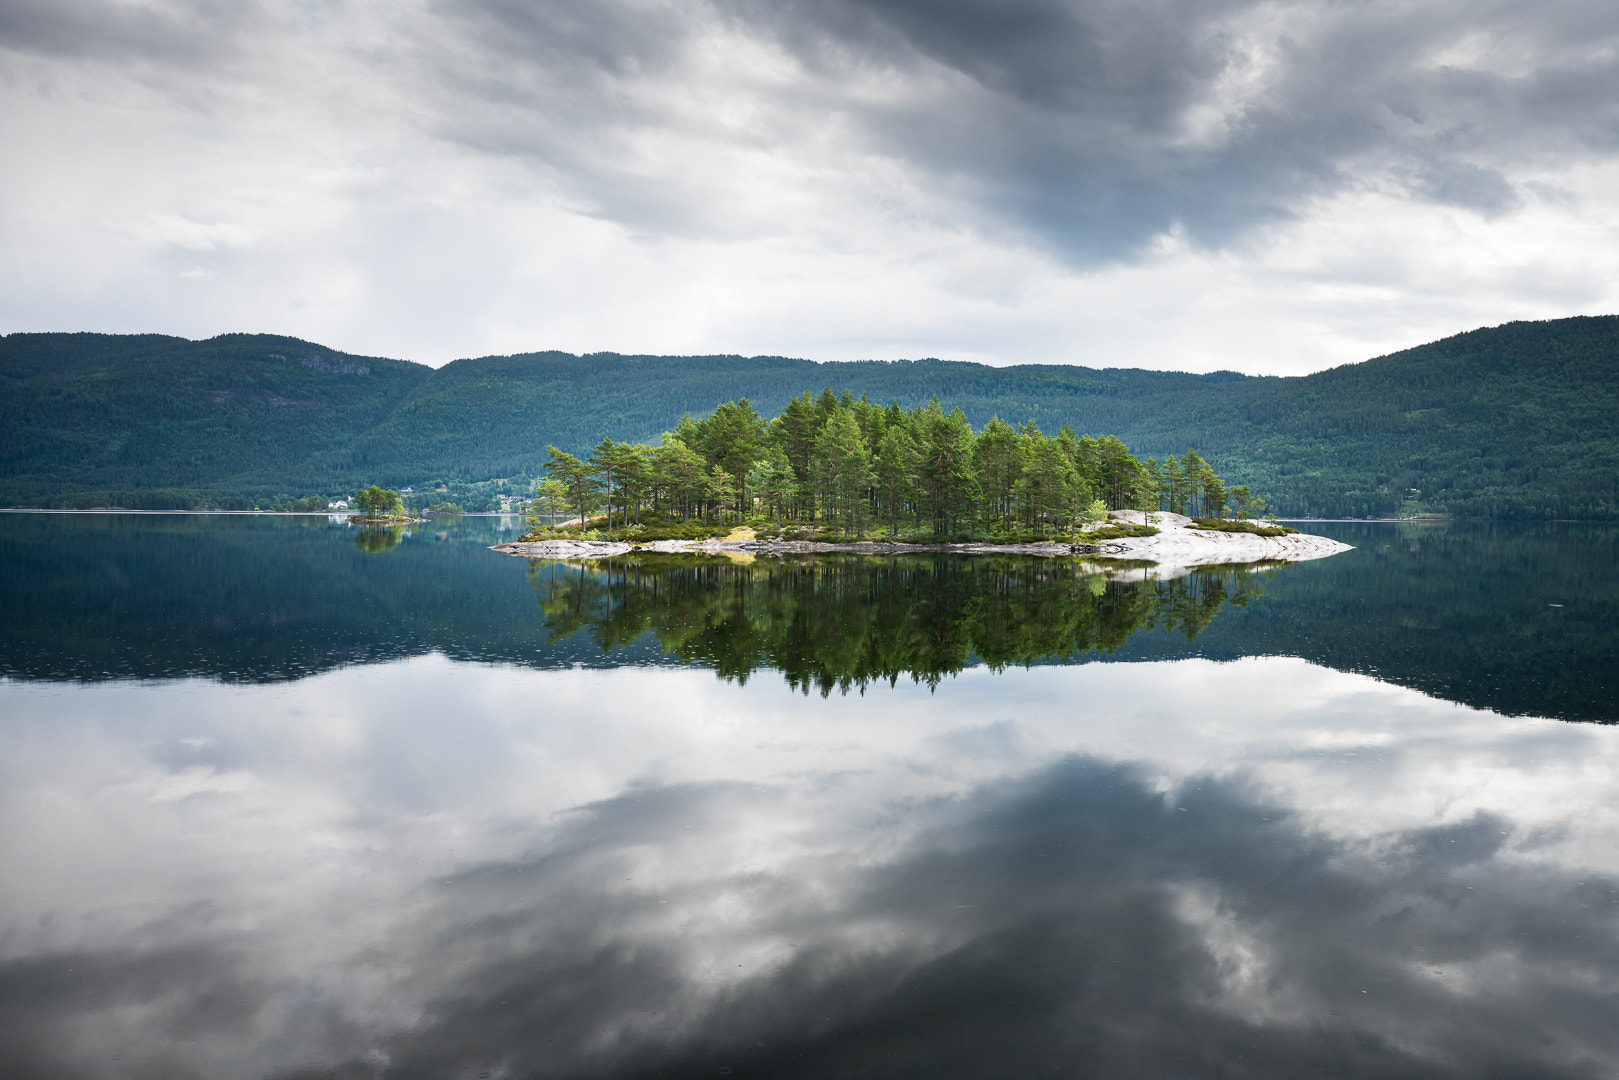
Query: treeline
pixel 849 467
pixel 155 499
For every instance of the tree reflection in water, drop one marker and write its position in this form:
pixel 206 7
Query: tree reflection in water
pixel 375 539
pixel 842 621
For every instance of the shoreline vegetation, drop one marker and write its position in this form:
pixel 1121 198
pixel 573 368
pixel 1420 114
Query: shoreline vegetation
pixel 217 512
pixel 838 474
pixel 1175 546
pixel 836 469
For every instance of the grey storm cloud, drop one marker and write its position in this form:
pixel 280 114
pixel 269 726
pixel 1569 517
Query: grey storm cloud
pixel 1093 181
pixel 1092 125
pixel 189 35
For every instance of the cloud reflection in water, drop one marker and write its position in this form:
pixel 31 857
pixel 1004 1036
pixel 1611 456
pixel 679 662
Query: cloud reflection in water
pixel 429 869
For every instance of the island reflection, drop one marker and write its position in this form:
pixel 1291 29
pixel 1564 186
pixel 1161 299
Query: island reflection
pixel 1521 619
pixel 847 621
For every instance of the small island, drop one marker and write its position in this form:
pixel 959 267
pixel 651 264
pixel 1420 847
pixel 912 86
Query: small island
pixel 379 506
pixel 833 473
pixel 1177 544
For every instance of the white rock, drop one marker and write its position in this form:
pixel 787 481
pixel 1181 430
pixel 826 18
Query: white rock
pixel 1181 545
pixel 564 549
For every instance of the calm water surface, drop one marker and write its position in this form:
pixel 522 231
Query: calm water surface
pixel 281 798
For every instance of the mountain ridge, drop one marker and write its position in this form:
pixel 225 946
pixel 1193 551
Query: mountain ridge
pixel 1506 421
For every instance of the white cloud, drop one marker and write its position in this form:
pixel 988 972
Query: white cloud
pixel 1268 187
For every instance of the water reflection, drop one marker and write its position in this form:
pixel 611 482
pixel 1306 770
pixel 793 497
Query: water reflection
pixel 376 539
pixel 1519 618
pixel 1262 868
pixel 847 621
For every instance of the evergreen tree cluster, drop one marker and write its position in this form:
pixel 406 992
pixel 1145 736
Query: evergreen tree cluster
pixel 850 467
pixel 375 501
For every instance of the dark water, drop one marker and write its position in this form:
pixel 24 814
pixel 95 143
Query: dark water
pixel 279 798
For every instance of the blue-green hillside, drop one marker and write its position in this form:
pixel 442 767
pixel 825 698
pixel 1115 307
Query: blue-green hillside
pixel 1511 421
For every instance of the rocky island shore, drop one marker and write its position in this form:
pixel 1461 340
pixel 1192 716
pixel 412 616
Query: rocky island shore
pixel 1179 545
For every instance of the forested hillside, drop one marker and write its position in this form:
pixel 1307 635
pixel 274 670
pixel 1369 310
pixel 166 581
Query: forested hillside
pixel 1520 420
pixel 156 421
pixel 1516 420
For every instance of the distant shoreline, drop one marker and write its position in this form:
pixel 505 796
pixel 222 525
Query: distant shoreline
pixel 1430 518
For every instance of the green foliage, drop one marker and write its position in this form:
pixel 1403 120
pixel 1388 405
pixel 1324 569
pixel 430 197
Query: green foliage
pixel 248 415
pixel 1512 421
pixel 378 502
pixel 551 501
pixel 843 472
pixel 1115 531
pixel 835 466
pixel 676 531
pixel 152 499
pixel 1245 504
pixel 374 540
pixel 575 478
pixel 1227 525
pixel 309 504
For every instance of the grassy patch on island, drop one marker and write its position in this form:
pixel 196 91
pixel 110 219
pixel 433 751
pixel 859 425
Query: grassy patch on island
pixel 1118 530
pixel 1254 527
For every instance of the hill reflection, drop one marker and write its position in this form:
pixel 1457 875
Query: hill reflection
pixel 1521 619
pixel 847 621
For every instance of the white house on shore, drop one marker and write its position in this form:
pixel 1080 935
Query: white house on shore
pixel 340 504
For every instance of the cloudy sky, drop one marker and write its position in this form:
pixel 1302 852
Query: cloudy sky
pixel 1262 185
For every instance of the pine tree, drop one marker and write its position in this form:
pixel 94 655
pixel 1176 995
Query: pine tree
pixel 577 476
pixel 1149 489
pixel 1213 493
pixel 1116 471
pixel 552 493
pixel 998 459
pixel 843 469
pixel 681 473
pixel 1174 485
pixel 946 478
pixel 1052 480
pixel 795 431
pixel 895 468
pixel 1192 482
pixel 731 437
pixel 772 478
pixel 1244 505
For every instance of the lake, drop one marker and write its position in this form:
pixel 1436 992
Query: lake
pixel 280 797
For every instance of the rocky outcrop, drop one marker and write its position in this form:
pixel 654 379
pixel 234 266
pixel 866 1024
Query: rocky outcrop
pixel 602 549
pixel 1179 546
